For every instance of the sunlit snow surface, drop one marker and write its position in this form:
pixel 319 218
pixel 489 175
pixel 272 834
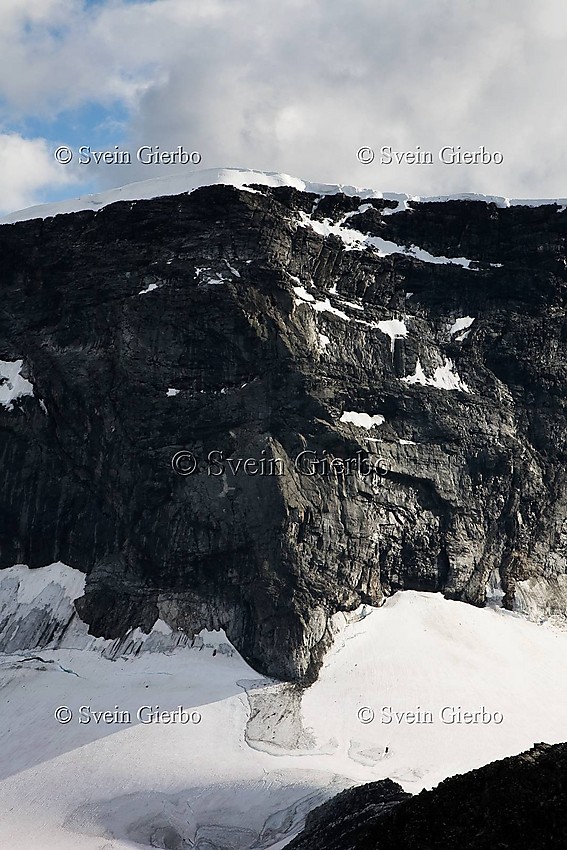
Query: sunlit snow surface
pixel 264 753
pixel 241 177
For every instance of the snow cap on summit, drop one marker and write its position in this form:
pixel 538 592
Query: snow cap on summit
pixel 240 178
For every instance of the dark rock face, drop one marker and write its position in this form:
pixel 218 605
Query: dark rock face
pixel 342 821
pixel 269 332
pixel 518 804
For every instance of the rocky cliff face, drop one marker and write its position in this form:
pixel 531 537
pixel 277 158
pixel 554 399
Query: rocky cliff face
pixel 517 803
pixel 299 331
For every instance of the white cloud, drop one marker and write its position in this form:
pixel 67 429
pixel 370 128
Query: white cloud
pixel 59 54
pixel 299 87
pixel 28 169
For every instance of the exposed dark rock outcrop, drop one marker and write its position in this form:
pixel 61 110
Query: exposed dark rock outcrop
pixel 519 803
pixel 266 332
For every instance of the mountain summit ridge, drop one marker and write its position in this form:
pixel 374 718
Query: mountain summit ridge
pixel 177 184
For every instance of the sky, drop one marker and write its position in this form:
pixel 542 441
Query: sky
pixel 298 86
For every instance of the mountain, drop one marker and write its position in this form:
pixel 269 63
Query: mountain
pixel 298 331
pixel 517 803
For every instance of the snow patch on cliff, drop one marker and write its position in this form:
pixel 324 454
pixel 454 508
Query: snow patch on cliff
pixel 362 420
pixel 211 277
pixel 395 329
pixel 426 257
pixel 404 201
pixel 12 383
pixel 302 294
pixel 444 378
pixel 355 240
pixel 150 288
pixel 460 324
pixel 326 307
